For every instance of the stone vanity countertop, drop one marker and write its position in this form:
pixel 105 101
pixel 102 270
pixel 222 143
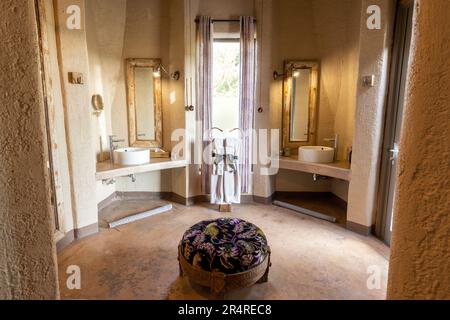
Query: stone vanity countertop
pixel 339 169
pixel 108 170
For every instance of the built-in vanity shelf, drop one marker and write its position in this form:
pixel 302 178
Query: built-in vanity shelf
pixel 339 169
pixel 108 170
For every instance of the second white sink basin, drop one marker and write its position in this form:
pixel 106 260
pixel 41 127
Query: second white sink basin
pixel 131 156
pixel 316 154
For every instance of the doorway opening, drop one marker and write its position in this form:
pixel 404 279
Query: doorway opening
pixel 394 118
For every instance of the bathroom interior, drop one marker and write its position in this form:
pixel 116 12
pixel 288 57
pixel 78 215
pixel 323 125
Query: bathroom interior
pixel 320 88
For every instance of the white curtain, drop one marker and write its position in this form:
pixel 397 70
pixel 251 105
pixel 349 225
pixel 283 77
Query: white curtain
pixel 204 57
pixel 247 98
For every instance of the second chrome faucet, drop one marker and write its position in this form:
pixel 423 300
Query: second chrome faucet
pixel 335 141
pixel 112 146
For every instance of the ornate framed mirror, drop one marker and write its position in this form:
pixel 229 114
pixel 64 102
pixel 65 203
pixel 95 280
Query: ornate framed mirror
pixel 300 86
pixel 144 102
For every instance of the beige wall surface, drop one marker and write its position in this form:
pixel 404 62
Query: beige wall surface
pixel 264 185
pixel 27 256
pixel 72 46
pixel 374 60
pixel 420 247
pixel 61 167
pixel 105 30
pixel 219 9
pixel 177 88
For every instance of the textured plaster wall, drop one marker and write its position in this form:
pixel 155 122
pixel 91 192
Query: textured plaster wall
pixel 226 9
pixel 62 166
pixel 374 51
pixel 105 29
pixel 263 185
pixel 78 115
pixel 177 88
pixel 27 251
pixel 420 248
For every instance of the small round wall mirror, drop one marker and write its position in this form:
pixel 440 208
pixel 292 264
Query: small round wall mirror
pixel 97 103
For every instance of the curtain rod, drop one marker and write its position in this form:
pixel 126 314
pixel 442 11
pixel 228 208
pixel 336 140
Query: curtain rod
pixel 223 20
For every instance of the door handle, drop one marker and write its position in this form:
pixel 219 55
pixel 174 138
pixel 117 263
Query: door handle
pixel 393 154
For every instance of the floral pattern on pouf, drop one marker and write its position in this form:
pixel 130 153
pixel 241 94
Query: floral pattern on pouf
pixel 227 245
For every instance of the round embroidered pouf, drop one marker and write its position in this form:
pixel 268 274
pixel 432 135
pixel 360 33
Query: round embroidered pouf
pixel 224 254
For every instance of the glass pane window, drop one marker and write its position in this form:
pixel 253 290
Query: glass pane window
pixel 226 69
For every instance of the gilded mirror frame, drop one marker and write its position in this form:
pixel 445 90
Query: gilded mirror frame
pixel 133 138
pixel 289 66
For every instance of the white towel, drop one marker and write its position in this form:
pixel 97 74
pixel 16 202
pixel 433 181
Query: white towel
pixel 218 150
pixel 225 179
pixel 231 178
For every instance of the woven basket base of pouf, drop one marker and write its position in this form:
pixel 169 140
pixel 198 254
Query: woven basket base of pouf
pixel 219 282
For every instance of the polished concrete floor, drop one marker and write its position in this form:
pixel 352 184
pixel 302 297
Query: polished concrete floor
pixel 311 258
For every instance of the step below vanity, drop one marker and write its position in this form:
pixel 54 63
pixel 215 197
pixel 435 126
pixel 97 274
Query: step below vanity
pixel 323 204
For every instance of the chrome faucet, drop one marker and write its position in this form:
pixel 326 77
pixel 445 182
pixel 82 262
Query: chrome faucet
pixel 335 141
pixel 113 147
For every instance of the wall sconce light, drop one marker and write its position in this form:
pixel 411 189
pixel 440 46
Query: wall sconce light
pixel 97 103
pixel 295 73
pixel 277 75
pixel 157 73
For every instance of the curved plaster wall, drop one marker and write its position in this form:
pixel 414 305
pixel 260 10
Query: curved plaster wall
pixel 369 117
pixel 72 49
pixel 420 256
pixel 27 254
pixel 105 29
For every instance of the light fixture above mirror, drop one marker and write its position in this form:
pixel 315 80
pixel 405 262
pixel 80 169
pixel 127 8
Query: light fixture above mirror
pixel 294 72
pixel 157 73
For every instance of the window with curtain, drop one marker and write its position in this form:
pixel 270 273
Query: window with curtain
pixel 226 60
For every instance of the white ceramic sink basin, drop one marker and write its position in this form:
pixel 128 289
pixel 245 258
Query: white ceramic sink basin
pixel 131 156
pixel 316 154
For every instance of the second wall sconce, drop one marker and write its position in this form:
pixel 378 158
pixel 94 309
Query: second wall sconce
pixel 157 73
pixel 97 104
pixel 277 75
pixel 295 73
